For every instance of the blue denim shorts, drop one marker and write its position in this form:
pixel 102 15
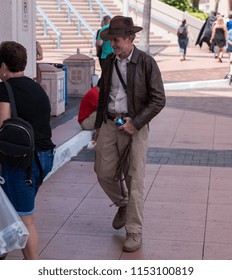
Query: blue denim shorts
pixel 21 195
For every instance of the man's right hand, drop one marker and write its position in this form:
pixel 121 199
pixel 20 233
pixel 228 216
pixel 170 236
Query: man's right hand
pixel 96 134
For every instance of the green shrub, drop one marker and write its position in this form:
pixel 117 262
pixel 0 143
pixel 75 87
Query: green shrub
pixel 184 6
pixel 200 15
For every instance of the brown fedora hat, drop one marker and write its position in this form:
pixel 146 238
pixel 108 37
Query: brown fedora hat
pixel 120 26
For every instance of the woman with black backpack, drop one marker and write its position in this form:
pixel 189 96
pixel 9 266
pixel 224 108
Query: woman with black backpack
pixel 183 39
pixel 33 106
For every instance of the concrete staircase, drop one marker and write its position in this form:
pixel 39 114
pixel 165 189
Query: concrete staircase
pixel 70 40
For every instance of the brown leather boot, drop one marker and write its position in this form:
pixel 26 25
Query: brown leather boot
pixel 119 220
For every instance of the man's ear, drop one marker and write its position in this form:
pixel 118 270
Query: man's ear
pixel 3 66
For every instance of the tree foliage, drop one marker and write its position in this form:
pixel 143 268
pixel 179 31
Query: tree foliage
pixel 195 3
pixel 185 6
pixel 182 5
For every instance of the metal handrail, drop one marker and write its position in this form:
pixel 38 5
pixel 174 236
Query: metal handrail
pixel 80 19
pixel 102 8
pixel 47 20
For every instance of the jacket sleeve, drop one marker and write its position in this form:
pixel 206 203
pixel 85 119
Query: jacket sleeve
pixel 101 103
pixel 105 85
pixel 99 116
pixel 155 94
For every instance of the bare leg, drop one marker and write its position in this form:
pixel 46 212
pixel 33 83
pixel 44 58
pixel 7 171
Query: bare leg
pixel 31 251
pixel 220 52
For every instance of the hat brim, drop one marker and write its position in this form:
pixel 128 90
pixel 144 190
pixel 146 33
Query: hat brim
pixel 106 35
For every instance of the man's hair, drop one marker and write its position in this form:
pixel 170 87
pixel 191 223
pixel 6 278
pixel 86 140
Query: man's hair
pixel 14 55
pixel 131 37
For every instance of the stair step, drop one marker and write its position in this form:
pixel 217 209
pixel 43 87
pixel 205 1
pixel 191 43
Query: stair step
pixel 70 40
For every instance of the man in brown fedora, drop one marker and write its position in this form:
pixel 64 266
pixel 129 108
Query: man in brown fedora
pixel 131 95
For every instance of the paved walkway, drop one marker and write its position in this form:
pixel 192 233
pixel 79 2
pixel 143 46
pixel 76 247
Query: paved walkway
pixel 173 156
pixel 188 185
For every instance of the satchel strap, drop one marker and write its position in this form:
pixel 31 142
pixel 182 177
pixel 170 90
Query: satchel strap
pixel 28 180
pixel 12 100
pixel 120 75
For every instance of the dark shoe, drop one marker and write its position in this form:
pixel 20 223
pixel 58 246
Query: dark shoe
pixel 133 242
pixel 120 218
pixel 3 256
pixel 230 82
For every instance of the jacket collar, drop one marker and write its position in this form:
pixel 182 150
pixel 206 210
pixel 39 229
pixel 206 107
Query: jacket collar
pixel 135 55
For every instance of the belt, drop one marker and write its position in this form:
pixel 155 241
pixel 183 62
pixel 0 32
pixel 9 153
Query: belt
pixel 112 117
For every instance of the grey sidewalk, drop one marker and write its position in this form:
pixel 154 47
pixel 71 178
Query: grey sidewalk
pixel 188 196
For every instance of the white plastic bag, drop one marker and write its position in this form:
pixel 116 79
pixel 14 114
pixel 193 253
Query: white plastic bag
pixel 91 145
pixel 13 233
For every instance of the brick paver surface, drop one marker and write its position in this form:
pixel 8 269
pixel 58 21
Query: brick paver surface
pixel 194 75
pixel 173 156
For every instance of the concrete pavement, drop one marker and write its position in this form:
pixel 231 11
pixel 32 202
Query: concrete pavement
pixel 188 189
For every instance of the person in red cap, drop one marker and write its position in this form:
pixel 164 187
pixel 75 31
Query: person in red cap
pixel 131 95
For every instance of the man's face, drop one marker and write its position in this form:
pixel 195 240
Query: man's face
pixel 122 46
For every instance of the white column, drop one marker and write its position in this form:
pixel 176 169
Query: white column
pixel 17 23
pixel 223 7
pixel 125 8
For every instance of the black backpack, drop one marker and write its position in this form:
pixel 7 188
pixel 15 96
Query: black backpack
pixel 182 32
pixel 17 147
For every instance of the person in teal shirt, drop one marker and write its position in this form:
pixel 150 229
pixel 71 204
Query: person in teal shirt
pixel 106 47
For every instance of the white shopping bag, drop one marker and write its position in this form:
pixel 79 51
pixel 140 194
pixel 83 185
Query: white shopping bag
pixel 13 233
pixel 91 145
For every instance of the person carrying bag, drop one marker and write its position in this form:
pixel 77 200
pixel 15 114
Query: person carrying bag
pixel 22 182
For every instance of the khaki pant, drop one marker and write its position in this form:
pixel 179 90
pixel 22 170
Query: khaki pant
pixel 111 143
pixel 88 123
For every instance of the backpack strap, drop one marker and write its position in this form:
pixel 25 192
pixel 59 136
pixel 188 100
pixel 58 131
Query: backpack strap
pixel 12 100
pixel 41 173
pixel 28 180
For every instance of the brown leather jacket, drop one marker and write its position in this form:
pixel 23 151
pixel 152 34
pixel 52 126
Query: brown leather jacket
pixel 145 91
